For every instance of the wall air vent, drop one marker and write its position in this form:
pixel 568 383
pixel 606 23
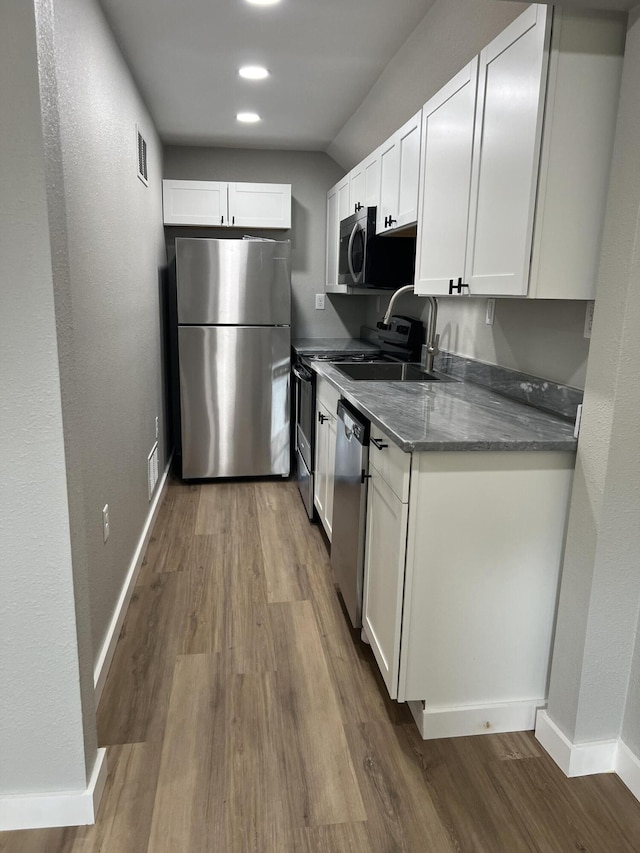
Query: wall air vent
pixel 142 158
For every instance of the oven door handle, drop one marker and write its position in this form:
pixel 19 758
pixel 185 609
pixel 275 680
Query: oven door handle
pixel 349 250
pixel 302 374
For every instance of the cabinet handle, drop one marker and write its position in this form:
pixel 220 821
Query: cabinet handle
pixel 233 220
pixel 364 476
pixel 379 443
pixel 457 287
pixel 222 220
pixel 322 418
pixel 392 221
pixel 386 222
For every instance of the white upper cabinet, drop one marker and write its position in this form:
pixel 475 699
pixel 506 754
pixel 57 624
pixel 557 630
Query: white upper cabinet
pixel 344 201
pixel 445 182
pixel 260 205
pixel 223 204
pixel 364 183
pixel 511 202
pixel 506 150
pixel 399 172
pixel 333 237
pixel 194 202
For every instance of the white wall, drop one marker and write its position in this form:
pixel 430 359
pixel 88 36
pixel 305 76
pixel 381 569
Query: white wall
pixel 542 337
pixel 311 174
pixel 594 691
pixel 109 260
pixel 45 744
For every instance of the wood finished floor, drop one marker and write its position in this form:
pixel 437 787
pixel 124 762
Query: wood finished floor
pixel 241 713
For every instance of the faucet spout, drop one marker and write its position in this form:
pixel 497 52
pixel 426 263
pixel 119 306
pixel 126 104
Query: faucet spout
pixel 408 288
pixel 430 347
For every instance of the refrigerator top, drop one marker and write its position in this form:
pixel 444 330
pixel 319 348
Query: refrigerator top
pixel 233 282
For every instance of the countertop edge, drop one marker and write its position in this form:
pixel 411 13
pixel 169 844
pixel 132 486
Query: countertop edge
pixel 435 445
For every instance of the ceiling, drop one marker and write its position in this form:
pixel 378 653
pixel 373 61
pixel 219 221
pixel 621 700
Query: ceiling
pixel 323 57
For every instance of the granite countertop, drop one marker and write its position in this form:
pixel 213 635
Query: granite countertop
pixel 451 415
pixel 332 346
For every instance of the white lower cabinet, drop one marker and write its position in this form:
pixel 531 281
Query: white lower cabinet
pixel 384 580
pixel 325 452
pixel 461 583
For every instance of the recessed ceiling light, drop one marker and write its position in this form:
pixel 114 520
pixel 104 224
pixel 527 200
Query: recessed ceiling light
pixel 263 2
pixel 253 72
pixel 248 118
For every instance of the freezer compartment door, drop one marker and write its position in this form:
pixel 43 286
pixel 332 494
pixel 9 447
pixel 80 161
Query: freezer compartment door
pixel 234 401
pixel 233 282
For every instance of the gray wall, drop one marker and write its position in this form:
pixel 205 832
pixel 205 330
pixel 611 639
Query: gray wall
pixel 311 174
pixel 44 742
pixel 594 691
pixel 450 35
pixel 109 258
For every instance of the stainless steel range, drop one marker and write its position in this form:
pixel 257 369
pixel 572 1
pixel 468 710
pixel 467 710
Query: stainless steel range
pixel 401 341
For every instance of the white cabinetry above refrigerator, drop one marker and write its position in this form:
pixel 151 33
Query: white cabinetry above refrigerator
pixel 225 204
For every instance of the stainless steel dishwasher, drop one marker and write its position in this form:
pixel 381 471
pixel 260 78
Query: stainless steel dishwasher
pixel 350 507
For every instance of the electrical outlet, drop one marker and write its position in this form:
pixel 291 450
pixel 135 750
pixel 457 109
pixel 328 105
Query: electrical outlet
pixel 105 522
pixel 491 312
pixel 319 301
pixel 157 426
pixel 588 319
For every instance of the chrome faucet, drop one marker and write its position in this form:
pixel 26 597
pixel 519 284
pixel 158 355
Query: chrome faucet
pixel 430 348
pixel 408 288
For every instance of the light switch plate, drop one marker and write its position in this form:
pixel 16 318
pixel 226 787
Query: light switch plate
pixel 491 312
pixel 588 319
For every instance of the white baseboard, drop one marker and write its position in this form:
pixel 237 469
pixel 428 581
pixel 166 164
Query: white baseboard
pixel 474 720
pixel 628 768
pixel 581 759
pixel 63 808
pixel 107 651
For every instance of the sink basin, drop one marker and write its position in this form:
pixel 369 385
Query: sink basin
pixel 385 371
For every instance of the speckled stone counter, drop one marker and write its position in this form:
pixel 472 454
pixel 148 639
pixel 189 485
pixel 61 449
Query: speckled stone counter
pixel 332 346
pixel 451 415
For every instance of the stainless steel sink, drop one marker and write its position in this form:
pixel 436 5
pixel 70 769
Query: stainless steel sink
pixel 384 371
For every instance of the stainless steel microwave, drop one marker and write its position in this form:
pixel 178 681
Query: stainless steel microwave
pixel 368 260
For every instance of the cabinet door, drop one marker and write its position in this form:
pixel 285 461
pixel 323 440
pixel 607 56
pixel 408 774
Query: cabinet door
pixel 344 206
pixel 356 188
pixel 259 205
pixel 399 173
pixel 389 178
pixel 384 577
pixel 322 455
pixel 332 434
pixel 371 170
pixel 445 182
pixel 511 83
pixel 364 183
pixel 409 171
pixel 194 202
pixel 333 238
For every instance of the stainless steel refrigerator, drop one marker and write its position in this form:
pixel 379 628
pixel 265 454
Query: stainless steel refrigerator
pixel 234 345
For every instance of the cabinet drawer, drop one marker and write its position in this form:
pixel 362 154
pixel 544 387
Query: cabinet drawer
pixel 393 464
pixel 328 396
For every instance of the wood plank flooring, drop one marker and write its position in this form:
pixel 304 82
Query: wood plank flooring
pixel 242 714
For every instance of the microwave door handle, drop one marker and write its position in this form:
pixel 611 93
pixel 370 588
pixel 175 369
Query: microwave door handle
pixel 349 250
